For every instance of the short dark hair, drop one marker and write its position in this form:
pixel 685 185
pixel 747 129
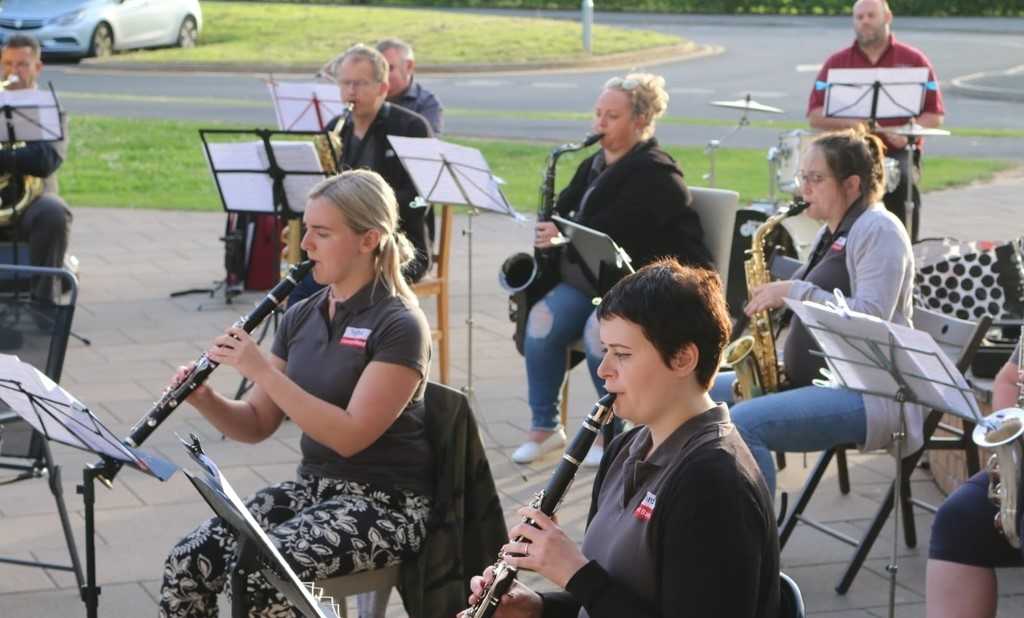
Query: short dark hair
pixel 855 152
pixel 21 41
pixel 675 305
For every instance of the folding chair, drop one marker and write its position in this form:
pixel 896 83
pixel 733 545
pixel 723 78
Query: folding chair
pixel 38 334
pixel 959 339
pixel 437 284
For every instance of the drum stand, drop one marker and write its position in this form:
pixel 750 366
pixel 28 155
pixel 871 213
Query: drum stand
pixel 715 144
pixel 908 201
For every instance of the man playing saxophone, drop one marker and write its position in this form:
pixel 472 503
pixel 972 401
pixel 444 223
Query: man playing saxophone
pixel 631 190
pixel 966 547
pixel 862 250
pixel 45 220
pixel 681 522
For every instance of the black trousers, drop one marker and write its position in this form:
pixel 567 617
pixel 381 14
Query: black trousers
pixel 896 201
pixel 46 226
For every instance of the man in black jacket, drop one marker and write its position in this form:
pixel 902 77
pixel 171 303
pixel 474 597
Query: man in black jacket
pixel 363 78
pixel 46 222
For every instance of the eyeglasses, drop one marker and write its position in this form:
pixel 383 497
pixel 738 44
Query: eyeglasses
pixel 355 84
pixel 811 178
pixel 623 83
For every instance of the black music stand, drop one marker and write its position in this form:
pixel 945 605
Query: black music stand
pixel 60 417
pixel 31 115
pixel 871 356
pixel 880 94
pixel 255 550
pixel 602 260
pixel 446 173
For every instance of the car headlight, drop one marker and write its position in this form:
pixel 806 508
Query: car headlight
pixel 65 19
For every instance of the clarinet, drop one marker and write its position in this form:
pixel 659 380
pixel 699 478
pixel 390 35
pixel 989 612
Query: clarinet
pixel 547 501
pixel 201 371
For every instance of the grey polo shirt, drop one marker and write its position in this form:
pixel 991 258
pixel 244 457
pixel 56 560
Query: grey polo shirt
pixel 327 357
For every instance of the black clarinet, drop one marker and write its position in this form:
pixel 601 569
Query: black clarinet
pixel 201 371
pixel 547 501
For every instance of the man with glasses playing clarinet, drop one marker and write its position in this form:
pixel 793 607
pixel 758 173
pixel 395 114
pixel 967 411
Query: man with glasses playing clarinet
pixel 876 47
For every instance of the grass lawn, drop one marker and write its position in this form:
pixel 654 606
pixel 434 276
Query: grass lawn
pixel 307 35
pixel 159 164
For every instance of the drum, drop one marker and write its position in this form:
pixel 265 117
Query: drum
pixel 786 158
pixel 892 174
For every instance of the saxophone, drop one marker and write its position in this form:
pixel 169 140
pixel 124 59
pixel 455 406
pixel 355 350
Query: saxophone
pixel 753 356
pixel 1002 432
pixel 520 270
pixel 31 186
pixel 546 501
pixel 328 149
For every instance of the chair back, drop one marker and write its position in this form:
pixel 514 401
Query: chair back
pixel 717 211
pixel 37 333
pixel 958 338
pixel 791 602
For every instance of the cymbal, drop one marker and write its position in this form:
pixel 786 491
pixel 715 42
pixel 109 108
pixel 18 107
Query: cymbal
pixel 747 104
pixel 912 129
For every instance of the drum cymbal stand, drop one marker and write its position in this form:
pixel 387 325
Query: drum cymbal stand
pixel 714 144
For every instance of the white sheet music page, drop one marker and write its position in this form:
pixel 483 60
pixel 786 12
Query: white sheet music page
pixel 35 116
pixel 302 169
pixel 849 94
pixel 305 106
pixel 241 191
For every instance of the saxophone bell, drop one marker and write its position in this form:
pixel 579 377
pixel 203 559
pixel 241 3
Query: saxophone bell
pixel 517 272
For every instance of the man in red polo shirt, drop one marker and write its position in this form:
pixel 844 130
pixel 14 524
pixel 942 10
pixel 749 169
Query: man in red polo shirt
pixel 876 47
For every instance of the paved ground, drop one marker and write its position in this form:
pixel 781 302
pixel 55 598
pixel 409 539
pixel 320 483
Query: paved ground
pixel 132 260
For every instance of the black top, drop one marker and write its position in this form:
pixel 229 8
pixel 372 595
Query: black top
pixel 688 530
pixel 327 357
pixel 640 201
pixel 826 269
pixel 393 120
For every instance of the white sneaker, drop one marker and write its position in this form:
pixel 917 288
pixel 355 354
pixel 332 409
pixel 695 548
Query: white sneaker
pixel 593 458
pixel 530 451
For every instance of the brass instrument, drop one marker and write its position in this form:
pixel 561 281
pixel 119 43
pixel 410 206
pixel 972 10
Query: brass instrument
pixel 32 186
pixel 1002 432
pixel 753 356
pixel 328 150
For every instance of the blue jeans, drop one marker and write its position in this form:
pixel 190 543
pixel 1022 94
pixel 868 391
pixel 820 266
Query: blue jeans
pixel 556 321
pixel 809 418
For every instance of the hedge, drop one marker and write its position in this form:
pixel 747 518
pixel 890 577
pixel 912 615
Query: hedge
pixel 786 7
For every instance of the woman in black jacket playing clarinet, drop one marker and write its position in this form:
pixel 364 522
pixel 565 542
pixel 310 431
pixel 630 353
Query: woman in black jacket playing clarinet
pixel 680 522
pixel 631 190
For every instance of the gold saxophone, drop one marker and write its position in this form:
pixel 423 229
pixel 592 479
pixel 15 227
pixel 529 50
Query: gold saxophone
pixel 328 150
pixel 753 356
pixel 32 186
pixel 1002 432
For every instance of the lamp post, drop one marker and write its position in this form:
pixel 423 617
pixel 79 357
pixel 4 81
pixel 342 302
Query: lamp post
pixel 588 21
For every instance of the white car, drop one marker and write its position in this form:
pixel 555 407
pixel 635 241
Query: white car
pixel 79 28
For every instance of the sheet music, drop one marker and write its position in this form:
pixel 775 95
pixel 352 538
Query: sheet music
pixel 301 159
pixel 35 116
pixel 242 192
pixel 473 184
pixel 902 95
pixel 843 336
pixel 305 106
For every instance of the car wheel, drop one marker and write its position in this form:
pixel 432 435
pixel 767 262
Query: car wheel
pixel 102 41
pixel 188 33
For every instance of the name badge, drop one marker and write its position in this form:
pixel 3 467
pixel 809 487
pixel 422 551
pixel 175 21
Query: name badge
pixel 645 509
pixel 839 244
pixel 355 337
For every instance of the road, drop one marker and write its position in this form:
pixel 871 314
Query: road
pixel 774 59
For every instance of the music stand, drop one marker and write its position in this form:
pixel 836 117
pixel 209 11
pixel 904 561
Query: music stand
pixel 868 355
pixel 603 262
pixel 305 106
pixel 446 173
pixel 255 550
pixel 880 94
pixel 31 115
pixel 60 417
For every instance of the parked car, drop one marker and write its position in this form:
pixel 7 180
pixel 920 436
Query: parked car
pixel 79 28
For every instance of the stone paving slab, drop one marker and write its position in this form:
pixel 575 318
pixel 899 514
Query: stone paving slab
pixel 132 260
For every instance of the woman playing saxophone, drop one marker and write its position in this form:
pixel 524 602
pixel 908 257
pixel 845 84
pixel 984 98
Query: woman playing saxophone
pixel 862 250
pixel 966 546
pixel 680 521
pixel 634 192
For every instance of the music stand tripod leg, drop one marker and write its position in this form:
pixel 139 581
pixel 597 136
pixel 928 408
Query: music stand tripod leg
pixel 90 592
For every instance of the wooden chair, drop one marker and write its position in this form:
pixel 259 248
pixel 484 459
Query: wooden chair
pixel 959 339
pixel 437 284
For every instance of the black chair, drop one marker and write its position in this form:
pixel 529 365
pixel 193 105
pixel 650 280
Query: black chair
pixel 791 602
pixel 960 340
pixel 38 334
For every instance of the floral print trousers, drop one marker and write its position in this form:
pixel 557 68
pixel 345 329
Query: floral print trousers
pixel 323 528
